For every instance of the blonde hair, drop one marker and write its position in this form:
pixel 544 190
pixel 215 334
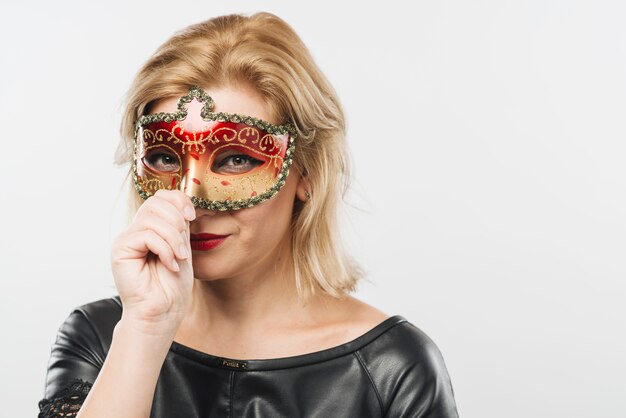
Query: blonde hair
pixel 265 52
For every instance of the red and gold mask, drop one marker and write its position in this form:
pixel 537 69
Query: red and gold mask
pixel 223 161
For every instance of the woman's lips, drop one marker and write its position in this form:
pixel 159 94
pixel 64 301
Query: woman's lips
pixel 206 242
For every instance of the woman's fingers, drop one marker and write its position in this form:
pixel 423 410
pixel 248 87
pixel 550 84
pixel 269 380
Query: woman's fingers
pixel 180 200
pixel 160 208
pixel 161 226
pixel 149 240
pixel 178 240
pixel 164 213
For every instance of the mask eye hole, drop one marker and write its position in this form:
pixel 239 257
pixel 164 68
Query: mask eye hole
pixel 161 160
pixel 234 162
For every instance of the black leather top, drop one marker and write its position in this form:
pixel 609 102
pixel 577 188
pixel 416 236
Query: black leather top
pixel 393 370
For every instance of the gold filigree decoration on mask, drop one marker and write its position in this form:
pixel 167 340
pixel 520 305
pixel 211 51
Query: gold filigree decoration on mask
pixel 197 140
pixel 267 141
pixel 151 185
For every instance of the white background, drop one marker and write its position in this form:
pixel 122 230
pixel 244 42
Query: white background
pixel 489 195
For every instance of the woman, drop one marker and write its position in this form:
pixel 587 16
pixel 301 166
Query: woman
pixel 233 288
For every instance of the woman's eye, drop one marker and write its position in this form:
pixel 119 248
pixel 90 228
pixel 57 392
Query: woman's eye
pixel 235 164
pixel 165 163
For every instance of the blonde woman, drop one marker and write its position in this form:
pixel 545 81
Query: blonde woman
pixel 233 286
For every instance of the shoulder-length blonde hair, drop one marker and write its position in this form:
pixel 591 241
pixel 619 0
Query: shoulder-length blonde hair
pixel 265 52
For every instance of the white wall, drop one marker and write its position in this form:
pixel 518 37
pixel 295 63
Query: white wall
pixel 488 144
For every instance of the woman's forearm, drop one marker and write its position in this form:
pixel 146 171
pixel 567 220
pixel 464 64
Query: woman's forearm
pixel 126 383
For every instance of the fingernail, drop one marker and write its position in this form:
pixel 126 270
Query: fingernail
pixel 184 252
pixel 175 265
pixel 190 214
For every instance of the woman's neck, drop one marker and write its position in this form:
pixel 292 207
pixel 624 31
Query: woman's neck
pixel 246 309
pixel 242 301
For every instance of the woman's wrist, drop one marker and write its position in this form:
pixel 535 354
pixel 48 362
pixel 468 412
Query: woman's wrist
pixel 126 383
pixel 153 331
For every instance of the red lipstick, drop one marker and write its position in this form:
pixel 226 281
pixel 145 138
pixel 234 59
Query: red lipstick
pixel 206 242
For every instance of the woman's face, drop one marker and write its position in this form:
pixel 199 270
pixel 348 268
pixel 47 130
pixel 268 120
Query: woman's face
pixel 252 239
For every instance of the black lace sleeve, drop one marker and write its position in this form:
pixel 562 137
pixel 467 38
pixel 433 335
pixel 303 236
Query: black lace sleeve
pixel 67 403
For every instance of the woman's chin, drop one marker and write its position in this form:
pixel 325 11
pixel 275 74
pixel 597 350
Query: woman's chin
pixel 208 276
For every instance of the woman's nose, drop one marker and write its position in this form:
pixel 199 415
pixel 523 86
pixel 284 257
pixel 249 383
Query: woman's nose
pixel 203 212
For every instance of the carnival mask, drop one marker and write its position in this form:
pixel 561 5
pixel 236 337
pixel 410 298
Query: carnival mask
pixel 223 161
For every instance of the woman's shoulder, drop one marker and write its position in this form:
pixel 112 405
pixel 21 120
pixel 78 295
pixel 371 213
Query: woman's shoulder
pixel 407 369
pixel 103 314
pixel 403 344
pixel 93 323
pixel 393 336
pixel 361 317
pixel 82 343
pixel 402 362
pixel 110 308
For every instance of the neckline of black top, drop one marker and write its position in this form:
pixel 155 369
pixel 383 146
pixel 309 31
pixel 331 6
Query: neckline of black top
pixel 288 362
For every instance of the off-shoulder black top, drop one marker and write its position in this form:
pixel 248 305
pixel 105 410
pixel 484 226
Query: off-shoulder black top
pixel 393 370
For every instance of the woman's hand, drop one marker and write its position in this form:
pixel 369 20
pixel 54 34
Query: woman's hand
pixel 151 262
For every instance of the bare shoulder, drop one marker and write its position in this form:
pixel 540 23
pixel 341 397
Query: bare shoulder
pixel 327 323
pixel 362 312
pixel 349 318
pixel 361 316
